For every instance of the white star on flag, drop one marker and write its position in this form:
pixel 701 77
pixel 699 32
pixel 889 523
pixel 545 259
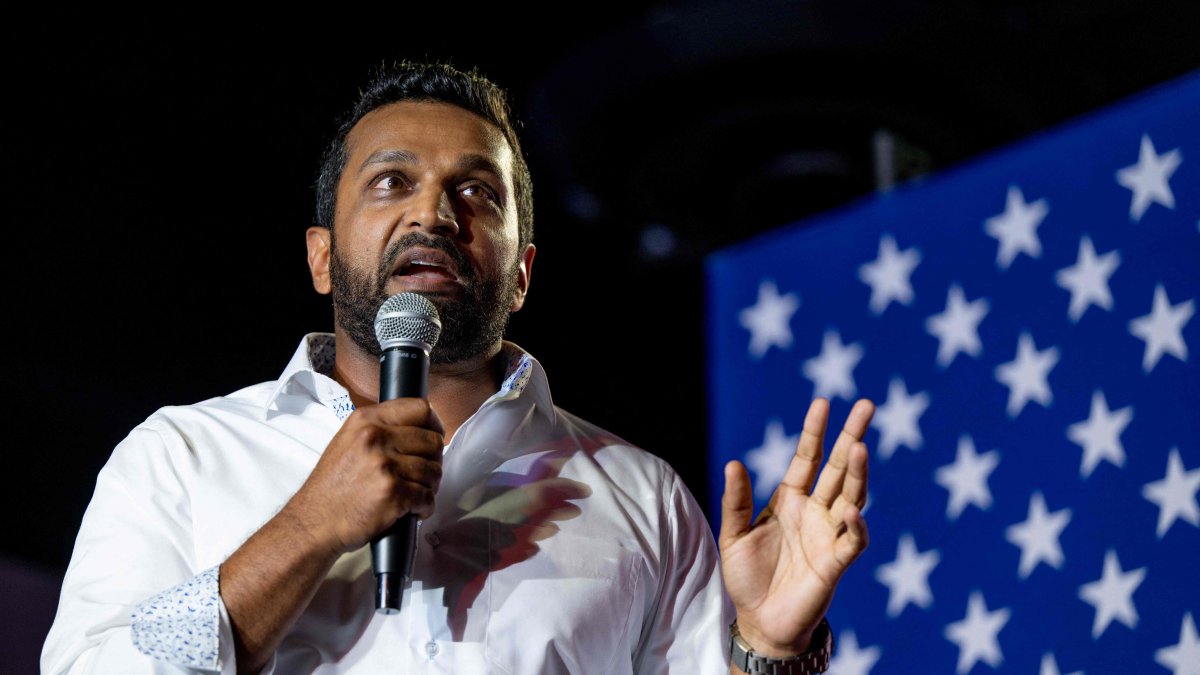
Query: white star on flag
pixel 767 319
pixel 1037 536
pixel 1100 434
pixel 1087 279
pixel 1016 228
pixel 1182 658
pixel 966 478
pixel 1025 376
pixel 1162 329
pixel 907 577
pixel 957 327
pixel 850 659
pixel 1050 666
pixel 976 635
pixel 896 419
pixel 1149 178
pixel 831 370
pixel 888 275
pixel 1112 594
pixel 1175 494
pixel 770 460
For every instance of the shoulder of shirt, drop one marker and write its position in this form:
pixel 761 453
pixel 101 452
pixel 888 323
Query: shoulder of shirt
pixel 611 448
pixel 647 480
pixel 247 401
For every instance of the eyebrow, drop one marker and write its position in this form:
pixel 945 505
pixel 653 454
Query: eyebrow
pixel 465 164
pixel 469 163
pixel 389 157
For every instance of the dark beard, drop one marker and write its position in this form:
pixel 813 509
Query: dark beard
pixel 470 325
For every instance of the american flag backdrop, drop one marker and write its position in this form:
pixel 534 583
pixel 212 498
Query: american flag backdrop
pixel 1025 323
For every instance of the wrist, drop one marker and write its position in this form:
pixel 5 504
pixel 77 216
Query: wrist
pixel 744 657
pixel 299 522
pixel 765 645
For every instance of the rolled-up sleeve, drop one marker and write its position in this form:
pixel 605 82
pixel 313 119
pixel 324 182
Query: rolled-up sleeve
pixel 132 599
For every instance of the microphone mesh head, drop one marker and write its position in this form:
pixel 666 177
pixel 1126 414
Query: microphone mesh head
pixel 407 318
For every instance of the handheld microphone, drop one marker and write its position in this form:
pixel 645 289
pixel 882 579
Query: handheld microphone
pixel 407 327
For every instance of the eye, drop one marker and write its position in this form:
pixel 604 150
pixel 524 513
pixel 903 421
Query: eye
pixel 477 190
pixel 389 181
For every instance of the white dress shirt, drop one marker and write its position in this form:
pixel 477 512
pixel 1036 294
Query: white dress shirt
pixel 555 547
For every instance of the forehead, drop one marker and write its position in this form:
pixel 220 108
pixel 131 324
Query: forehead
pixel 435 133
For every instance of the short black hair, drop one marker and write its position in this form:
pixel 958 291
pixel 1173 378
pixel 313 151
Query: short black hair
pixel 430 82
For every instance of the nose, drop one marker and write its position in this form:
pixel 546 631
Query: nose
pixel 433 212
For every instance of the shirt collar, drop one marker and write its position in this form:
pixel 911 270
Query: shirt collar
pixel 311 368
pixel 523 376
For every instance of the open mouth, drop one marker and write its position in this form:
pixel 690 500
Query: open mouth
pixel 426 263
pixel 427 270
pixel 424 270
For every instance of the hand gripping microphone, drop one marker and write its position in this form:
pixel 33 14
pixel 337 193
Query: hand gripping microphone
pixel 407 327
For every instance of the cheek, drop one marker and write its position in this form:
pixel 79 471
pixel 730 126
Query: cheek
pixel 361 246
pixel 364 224
pixel 363 264
pixel 493 253
pixel 506 257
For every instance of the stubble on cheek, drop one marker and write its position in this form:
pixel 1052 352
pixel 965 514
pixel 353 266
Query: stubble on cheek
pixel 356 300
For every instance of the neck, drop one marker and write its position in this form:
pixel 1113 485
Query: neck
pixel 456 390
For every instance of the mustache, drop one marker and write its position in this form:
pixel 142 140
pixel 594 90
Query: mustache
pixel 463 264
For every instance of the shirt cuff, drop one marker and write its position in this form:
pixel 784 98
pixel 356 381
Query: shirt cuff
pixel 182 625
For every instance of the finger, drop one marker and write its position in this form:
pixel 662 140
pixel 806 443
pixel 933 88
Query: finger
pixel 434 423
pixel 829 484
pixel 406 412
pixel 737 504
pixel 417 470
pixel 854 490
pixel 854 487
pixel 856 425
pixel 402 441
pixel 802 470
pixel 418 498
pixel 851 543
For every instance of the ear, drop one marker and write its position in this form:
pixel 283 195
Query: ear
pixel 524 272
pixel 318 258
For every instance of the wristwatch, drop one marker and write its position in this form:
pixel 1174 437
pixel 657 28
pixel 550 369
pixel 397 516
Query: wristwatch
pixel 815 660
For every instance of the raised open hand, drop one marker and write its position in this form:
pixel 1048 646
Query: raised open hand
pixel 782 569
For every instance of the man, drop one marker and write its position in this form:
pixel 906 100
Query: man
pixel 230 535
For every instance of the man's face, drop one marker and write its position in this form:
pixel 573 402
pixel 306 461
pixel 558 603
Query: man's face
pixel 426 204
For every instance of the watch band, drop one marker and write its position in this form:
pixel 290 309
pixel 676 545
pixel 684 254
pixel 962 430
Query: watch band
pixel 815 660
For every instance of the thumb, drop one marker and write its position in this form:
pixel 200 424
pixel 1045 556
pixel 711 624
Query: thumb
pixel 737 504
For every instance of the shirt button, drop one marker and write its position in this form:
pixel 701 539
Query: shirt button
pixel 431 649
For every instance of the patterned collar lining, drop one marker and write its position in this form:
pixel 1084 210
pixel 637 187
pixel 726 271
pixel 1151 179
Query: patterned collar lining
pixel 321 352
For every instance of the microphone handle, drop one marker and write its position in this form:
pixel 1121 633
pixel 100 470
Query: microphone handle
pixel 403 373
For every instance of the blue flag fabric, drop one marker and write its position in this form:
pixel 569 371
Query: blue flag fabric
pixel 1025 324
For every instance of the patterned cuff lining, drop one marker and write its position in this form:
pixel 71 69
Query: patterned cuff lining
pixel 181 624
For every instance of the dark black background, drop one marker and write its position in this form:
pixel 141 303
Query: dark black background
pixel 158 167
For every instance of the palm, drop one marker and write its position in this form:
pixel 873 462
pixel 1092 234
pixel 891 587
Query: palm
pixel 781 571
